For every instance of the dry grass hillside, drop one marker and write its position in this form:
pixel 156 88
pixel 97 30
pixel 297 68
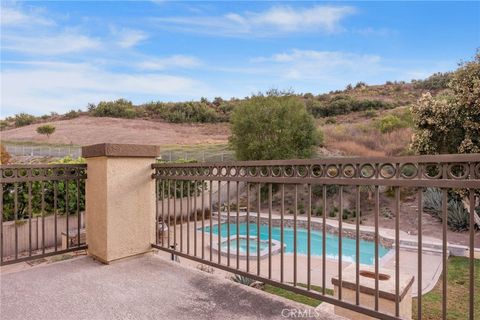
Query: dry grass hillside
pixel 87 130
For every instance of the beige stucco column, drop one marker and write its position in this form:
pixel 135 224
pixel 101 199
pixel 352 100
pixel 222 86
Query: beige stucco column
pixel 120 200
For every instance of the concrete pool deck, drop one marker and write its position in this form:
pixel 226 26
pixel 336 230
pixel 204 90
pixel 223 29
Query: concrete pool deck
pixel 408 256
pixel 144 287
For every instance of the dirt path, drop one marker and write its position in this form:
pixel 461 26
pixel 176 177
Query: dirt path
pixel 90 130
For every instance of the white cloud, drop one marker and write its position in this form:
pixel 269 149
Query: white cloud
pixel 62 43
pixel 129 38
pixel 175 61
pixel 50 86
pixel 311 65
pixel 276 20
pixel 12 16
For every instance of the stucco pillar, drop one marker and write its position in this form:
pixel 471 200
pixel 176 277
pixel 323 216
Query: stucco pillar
pixel 120 200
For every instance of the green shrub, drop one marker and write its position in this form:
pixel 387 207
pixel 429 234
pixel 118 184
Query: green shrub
pixel 23 119
pixel 390 123
pixel 272 127
pixel 72 114
pixel 436 81
pixel 46 129
pixel 370 113
pixel 319 211
pixel 183 112
pixel 458 216
pixel 333 212
pixel 120 108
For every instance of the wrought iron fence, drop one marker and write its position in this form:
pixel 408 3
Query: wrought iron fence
pixel 232 230
pixel 43 205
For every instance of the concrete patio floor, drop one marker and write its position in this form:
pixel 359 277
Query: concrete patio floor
pixel 145 287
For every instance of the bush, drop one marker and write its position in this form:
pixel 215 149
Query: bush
pixel 343 104
pixel 242 279
pixel 390 123
pixel 457 216
pixel 450 123
pixel 23 119
pixel 120 108
pixel 72 114
pixel 272 127
pixel 436 81
pixel 184 112
pixel 370 113
pixel 319 211
pixel 46 129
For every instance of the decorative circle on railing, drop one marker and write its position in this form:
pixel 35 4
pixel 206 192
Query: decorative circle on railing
pixel 8 173
pixel 22 173
pixel 264 171
pixel 316 170
pixel 242 172
pixel 432 170
pixel 301 171
pixel 233 171
pixel 332 171
pixel 348 171
pixel 252 171
pixel 387 171
pixel 288 171
pixel 457 170
pixel 215 171
pixel 276 171
pixel 367 170
pixel 184 172
pixel 223 171
pixel 477 170
pixel 408 170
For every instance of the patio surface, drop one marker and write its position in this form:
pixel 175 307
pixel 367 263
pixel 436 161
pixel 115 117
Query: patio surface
pixel 144 287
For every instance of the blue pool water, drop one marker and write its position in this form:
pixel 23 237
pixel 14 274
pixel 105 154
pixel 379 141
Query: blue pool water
pixel 367 248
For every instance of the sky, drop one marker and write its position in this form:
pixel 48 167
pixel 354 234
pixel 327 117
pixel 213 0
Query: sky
pixel 58 55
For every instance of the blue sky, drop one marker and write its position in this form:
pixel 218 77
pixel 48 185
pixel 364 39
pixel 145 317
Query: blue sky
pixel 59 55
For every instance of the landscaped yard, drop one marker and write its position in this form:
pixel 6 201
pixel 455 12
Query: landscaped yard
pixel 457 303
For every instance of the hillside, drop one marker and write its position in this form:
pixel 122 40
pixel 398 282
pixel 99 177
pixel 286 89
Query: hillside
pixel 87 130
pixel 352 119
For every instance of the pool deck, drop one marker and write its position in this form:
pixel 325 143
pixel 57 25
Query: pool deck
pixel 408 257
pixel 143 287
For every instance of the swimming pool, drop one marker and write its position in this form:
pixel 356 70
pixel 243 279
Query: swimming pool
pixel 367 248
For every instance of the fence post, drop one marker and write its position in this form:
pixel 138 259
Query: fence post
pixel 120 200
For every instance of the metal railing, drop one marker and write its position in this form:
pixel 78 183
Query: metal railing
pixel 44 205
pixel 233 230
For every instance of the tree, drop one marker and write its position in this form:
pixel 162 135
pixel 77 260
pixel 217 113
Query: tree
pixel 23 119
pixel 46 129
pixel 273 127
pixel 450 123
pixel 4 155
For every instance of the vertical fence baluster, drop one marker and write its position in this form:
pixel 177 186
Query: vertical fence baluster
pixel 79 217
pixel 211 219
pixel 444 251
pixel 15 195
pixel 30 218
pixel 238 225
pixel 309 237
pixel 377 213
pixel 269 231
pixel 42 186
pixel 340 222
pixel 189 208
pixel 248 227
pixel 324 239
pixel 219 222
pixel 195 188
pixel 259 201
pixel 168 213
pixel 203 218
pixel 397 251
pixel 163 215
pixel 228 223
pixel 181 216
pixel 282 237
pixel 65 184
pixel 55 203
pixel 357 245
pixel 472 254
pixel 419 252
pixel 295 212
pixel 175 214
